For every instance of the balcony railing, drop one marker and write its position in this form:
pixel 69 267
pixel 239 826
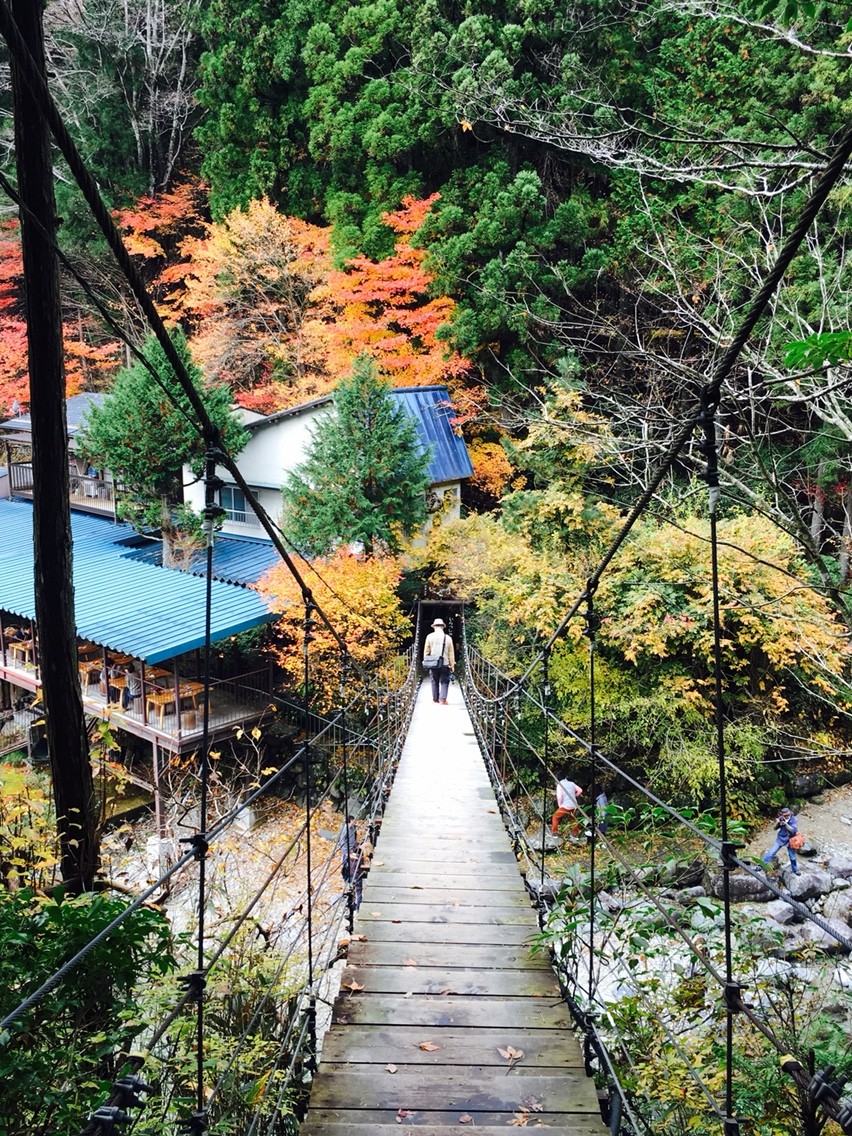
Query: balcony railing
pixel 166 709
pixel 92 493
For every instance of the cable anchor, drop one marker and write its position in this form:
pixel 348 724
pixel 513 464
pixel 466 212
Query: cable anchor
pixel 706 419
pixel 733 997
pixel 195 1125
pixel 198 843
pixel 728 855
pixel 195 983
pixel 129 1088
pixel 108 1116
pixel 822 1090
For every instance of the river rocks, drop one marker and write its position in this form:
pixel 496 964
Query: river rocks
pixel 838 906
pixel 681 873
pixel 809 784
pixel 839 866
pixel 781 912
pixel 812 882
pixel 742 887
pixel 815 936
pixel 552 843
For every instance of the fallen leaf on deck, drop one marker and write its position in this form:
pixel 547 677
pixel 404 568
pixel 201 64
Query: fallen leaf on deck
pixel 520 1120
pixel 532 1105
pixel 403 1114
pixel 378 863
pixel 353 986
pixel 447 991
pixel 410 962
pixel 390 1068
pixel 428 1046
pixel 510 1053
pixel 417 887
pixel 375 912
pixel 492 810
pixel 360 938
pixel 465 1119
pixel 396 920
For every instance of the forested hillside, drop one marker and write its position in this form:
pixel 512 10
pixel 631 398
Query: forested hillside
pixel 560 214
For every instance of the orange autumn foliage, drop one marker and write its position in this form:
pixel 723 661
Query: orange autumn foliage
pixel 266 311
pixel 85 362
pixel 492 470
pixel 385 309
pixel 358 594
pixel 156 226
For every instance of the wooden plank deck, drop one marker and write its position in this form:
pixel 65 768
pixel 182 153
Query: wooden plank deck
pixel 440 977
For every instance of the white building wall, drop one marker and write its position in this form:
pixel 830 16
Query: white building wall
pixel 271 452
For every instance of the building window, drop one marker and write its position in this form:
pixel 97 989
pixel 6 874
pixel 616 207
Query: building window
pixel 233 502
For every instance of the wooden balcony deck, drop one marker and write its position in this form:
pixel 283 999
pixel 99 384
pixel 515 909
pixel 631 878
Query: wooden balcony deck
pixel 233 703
pixel 88 494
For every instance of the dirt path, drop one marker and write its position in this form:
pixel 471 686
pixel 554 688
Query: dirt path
pixel 827 825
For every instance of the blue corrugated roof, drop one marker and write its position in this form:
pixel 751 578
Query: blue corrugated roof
pixel 236 559
pixel 148 612
pixel 432 411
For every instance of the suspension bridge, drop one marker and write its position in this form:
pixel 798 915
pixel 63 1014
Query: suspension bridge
pixel 445 1017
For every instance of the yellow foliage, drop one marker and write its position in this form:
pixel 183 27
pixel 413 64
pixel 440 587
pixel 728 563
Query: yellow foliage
pixel 358 595
pixel 492 470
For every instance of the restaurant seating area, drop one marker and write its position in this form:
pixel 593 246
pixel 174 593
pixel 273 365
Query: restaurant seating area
pixel 163 702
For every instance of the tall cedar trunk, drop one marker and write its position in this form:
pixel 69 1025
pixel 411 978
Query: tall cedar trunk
pixel 54 592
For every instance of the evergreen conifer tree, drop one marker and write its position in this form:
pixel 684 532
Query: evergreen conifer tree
pixel 365 475
pixel 143 433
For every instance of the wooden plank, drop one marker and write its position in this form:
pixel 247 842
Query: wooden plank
pixel 463 955
pixel 477 933
pixel 434 979
pixel 493 916
pixel 450 1010
pixel 445 877
pixel 340 1122
pixel 446 897
pixel 474 1088
pixel 365 1044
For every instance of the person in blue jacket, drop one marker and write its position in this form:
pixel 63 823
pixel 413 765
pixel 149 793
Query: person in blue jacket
pixel 787 826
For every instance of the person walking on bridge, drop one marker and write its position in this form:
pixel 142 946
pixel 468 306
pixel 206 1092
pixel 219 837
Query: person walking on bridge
pixel 438 642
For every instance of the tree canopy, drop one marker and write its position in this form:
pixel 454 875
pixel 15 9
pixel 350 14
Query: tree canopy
pixel 145 433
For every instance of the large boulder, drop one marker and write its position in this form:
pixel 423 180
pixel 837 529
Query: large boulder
pixel 782 912
pixel 682 873
pixel 809 784
pixel 839 865
pixel 838 906
pixel 815 936
pixel 811 883
pixel 742 887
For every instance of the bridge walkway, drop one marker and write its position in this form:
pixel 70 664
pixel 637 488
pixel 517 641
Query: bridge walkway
pixel 440 978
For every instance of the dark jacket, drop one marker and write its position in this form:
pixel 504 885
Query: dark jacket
pixel 787 827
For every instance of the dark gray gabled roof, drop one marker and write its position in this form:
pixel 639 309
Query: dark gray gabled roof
pixel 76 409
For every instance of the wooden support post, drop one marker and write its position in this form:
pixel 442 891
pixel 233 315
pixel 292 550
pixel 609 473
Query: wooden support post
pixel 54 592
pixel 158 801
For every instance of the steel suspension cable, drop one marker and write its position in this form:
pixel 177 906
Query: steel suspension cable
pixel 545 787
pixel 591 633
pixel 732 990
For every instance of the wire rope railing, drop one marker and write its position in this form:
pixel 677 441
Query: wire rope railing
pixel 504 742
pixel 518 730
